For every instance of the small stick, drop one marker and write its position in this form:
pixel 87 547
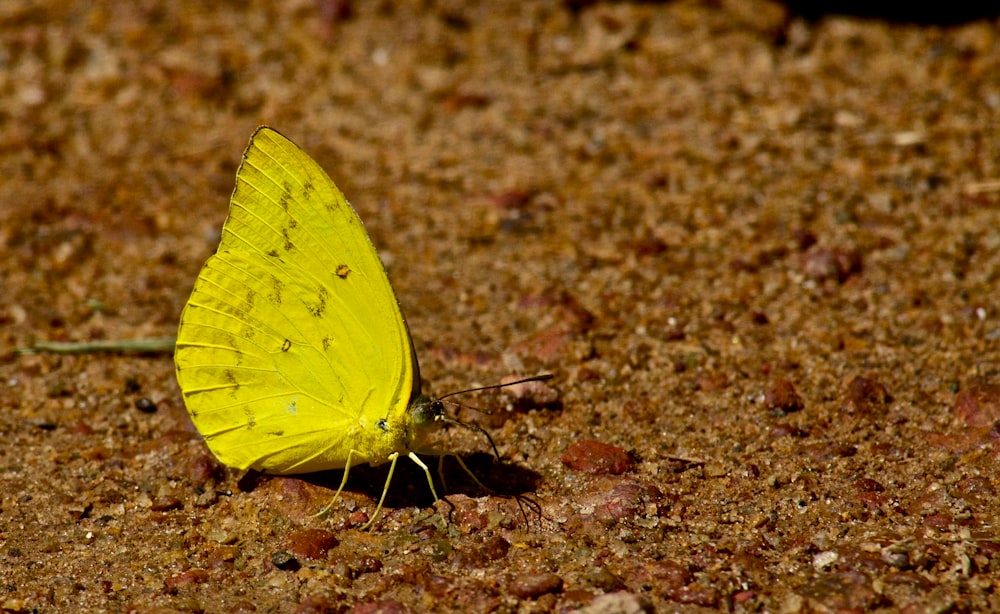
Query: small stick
pixel 154 345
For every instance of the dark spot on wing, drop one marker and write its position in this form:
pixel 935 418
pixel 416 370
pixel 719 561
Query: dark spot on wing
pixel 318 308
pixel 286 196
pixel 342 271
pixel 287 345
pixel 307 190
pixel 251 420
pixel 248 332
pixel 326 342
pixel 232 345
pixel 289 246
pixel 277 286
pixel 273 253
pixel 242 313
pixel 230 378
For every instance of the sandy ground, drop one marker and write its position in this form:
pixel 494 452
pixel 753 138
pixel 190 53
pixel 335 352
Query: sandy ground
pixel 759 252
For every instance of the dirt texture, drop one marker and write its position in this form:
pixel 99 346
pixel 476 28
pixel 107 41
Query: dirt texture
pixel 758 250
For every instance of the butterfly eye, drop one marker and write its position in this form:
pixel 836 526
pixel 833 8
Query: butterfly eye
pixel 382 425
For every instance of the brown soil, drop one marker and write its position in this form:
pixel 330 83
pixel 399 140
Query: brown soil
pixel 760 253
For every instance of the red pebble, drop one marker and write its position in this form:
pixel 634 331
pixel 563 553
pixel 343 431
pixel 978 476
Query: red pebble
pixel 978 404
pixel 311 543
pixel 597 457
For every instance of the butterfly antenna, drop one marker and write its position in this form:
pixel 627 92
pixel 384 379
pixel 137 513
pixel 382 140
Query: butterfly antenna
pixel 533 378
pixel 476 427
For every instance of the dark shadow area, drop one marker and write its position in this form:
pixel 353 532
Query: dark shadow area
pixel 936 13
pixel 409 483
pixel 505 479
pixel 932 13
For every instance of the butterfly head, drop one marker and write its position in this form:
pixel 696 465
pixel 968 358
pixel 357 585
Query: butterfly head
pixel 426 411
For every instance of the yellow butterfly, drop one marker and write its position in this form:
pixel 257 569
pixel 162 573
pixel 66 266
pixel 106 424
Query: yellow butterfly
pixel 292 352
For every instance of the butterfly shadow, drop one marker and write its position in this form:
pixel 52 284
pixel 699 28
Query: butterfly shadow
pixel 409 482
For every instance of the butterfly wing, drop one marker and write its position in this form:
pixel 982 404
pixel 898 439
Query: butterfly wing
pixel 292 346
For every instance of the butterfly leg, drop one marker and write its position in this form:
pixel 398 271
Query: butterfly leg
pixel 385 490
pixel 343 482
pixel 430 481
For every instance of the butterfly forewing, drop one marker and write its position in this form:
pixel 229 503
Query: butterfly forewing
pixel 292 344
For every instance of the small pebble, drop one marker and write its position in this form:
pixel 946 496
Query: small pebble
pixel 364 564
pixel 849 591
pixel 605 580
pixel 704 596
pixel 978 404
pixel 975 490
pixel 618 603
pixel 316 604
pixel 825 559
pixel 285 561
pixel 599 458
pixel 530 395
pixel 866 396
pixel 829 450
pixel 495 548
pixel 311 543
pixel 532 585
pixel 857 557
pixel 868 485
pixel 625 500
pixel 831 264
pixel 389 606
pixel 203 469
pixel 132 385
pixel 785 430
pixel 872 500
pixel 804 239
pixel 781 398
pixel 186 578
pixel 145 405
pixel 743 596
pixel 666 576
pixel 166 503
